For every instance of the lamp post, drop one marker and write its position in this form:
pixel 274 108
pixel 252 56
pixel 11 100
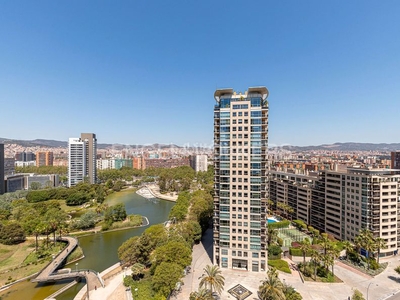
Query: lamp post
pixel 135 293
pixel 368 288
pixel 76 267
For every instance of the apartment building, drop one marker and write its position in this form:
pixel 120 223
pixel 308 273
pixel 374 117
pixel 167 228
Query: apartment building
pixel 76 161
pixel 342 202
pixel 241 181
pixel 199 162
pixel 395 159
pixel 44 158
pixel 113 163
pixel 90 156
pixel 2 182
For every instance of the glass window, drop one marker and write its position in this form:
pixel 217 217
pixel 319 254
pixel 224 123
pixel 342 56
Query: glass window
pixel 225 114
pixel 255 102
pixel 224 103
pixel 255 114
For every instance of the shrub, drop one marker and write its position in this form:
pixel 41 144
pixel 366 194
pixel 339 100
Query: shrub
pixel 274 251
pixel 299 224
pixel 354 257
pixel 373 264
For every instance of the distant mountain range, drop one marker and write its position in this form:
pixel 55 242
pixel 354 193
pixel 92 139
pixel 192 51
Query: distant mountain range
pixel 64 144
pixel 343 147
pixel 336 146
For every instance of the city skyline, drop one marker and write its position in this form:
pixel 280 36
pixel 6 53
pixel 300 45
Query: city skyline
pixel 147 72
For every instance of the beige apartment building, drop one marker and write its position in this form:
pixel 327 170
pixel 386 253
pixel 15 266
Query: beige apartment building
pixel 343 202
pixel 241 181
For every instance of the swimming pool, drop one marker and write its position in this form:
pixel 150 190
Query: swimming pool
pixel 272 220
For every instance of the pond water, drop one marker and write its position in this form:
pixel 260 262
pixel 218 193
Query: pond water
pixel 100 249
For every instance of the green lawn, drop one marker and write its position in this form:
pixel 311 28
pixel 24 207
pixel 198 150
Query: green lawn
pixel 279 264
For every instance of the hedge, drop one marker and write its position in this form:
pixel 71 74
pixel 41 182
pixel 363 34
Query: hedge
pixel 298 252
pixel 281 224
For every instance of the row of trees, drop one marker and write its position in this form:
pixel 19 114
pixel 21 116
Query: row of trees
pixel 166 251
pixel 75 195
pixel 271 287
pixel 60 170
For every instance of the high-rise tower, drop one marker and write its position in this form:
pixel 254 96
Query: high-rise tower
pixel 91 153
pixel 241 179
pixel 82 159
pixel 2 184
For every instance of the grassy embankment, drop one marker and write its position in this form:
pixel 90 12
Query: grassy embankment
pixel 20 261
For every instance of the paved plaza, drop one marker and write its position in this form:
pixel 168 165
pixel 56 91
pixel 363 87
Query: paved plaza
pixel 379 287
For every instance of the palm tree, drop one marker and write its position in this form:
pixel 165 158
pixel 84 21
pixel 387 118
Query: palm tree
pixel 201 294
pixel 316 258
pixel 271 287
pixel 380 244
pixel 213 278
pixel 272 235
pixel 270 205
pixel 348 247
pixel 281 207
pixel 370 246
pixel 290 211
pixel 305 246
pixel 333 253
pixel 325 242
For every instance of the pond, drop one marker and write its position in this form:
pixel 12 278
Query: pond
pixel 100 249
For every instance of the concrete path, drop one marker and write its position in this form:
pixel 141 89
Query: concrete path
pixel 58 260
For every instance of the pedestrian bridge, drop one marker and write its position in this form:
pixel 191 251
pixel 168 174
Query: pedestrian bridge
pixel 50 272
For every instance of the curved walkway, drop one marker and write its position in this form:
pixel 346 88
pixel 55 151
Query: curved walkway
pixel 49 272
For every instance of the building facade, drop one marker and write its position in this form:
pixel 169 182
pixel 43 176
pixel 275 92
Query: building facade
pixel 45 158
pixel 241 179
pixel 91 155
pixel 139 163
pixel 343 202
pixel 82 153
pixel 76 161
pixel 113 163
pixel 2 182
pixel 25 156
pixel 395 159
pixel 199 162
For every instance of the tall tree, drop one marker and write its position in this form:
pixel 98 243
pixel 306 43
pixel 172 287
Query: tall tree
pixel 305 246
pixel 213 279
pixel 349 247
pixel 166 276
pixel 380 244
pixel 333 253
pixel 271 287
pixel 315 258
pixel 272 235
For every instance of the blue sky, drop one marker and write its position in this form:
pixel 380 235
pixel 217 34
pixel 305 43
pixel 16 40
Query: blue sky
pixel 140 72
